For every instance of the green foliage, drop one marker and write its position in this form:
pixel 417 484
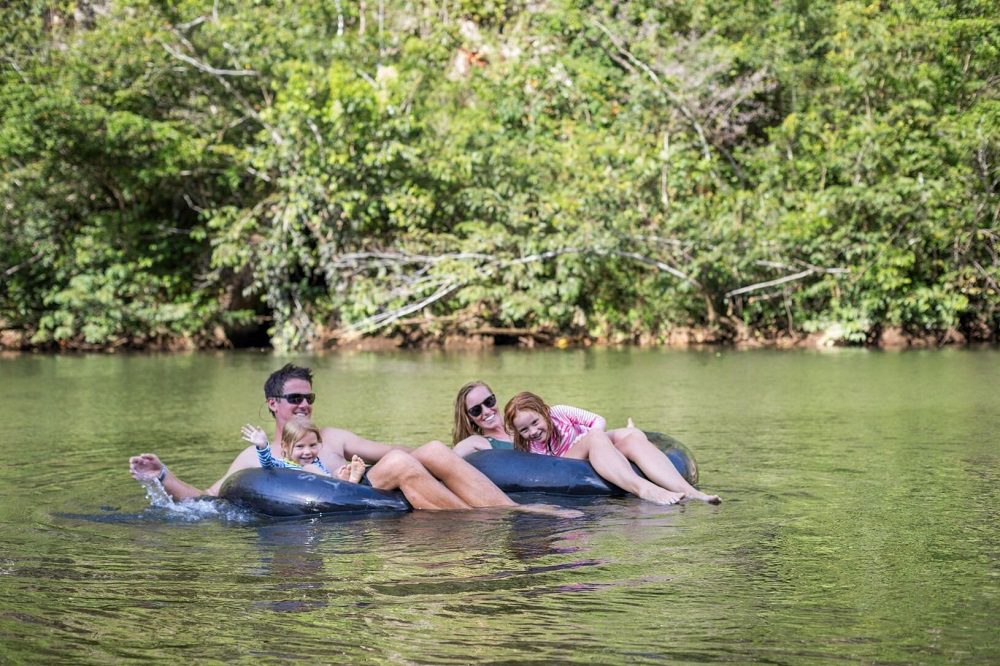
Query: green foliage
pixel 601 169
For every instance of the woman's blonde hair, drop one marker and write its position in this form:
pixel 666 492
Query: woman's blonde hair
pixel 294 431
pixel 464 425
pixel 523 402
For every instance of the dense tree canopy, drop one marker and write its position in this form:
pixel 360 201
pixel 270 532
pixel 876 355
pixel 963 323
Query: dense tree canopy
pixel 190 172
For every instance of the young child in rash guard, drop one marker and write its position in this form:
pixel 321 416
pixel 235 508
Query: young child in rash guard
pixel 571 432
pixel 300 442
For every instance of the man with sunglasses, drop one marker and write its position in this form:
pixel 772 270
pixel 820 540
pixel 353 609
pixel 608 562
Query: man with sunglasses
pixel 431 476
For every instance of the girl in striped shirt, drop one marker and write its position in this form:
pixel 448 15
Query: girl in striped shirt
pixel 572 432
pixel 300 442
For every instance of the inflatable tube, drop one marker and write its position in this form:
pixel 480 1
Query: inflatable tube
pixel 283 492
pixel 519 471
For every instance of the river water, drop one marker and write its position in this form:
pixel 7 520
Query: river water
pixel 859 521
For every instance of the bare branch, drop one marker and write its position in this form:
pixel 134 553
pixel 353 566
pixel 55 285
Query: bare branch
pixel 192 23
pixel 389 258
pixel 783 280
pixel 214 71
pixel 382 320
pixel 13 269
pixel 989 280
pixel 220 76
pixel 686 112
pixel 658 264
pixel 488 266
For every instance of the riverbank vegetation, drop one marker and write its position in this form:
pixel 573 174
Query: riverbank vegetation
pixel 301 174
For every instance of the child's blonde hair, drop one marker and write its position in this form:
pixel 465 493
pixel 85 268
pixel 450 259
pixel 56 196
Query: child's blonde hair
pixel 295 430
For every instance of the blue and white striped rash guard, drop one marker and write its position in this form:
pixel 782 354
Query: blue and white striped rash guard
pixel 268 460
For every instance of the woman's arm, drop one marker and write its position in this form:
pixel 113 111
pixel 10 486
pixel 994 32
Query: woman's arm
pixel 472 444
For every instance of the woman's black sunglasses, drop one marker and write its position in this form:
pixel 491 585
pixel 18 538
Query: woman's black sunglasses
pixel 297 398
pixel 476 410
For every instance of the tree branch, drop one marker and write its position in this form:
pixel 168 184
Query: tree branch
pixel 13 269
pixel 220 76
pixel 197 64
pixel 383 319
pixel 812 270
pixel 686 112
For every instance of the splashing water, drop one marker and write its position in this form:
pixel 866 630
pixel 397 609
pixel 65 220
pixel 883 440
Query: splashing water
pixel 191 510
pixel 157 494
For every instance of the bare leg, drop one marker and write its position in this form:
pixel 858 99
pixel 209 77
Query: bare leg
pixel 612 465
pixel 472 486
pixel 655 464
pixel 460 477
pixel 399 470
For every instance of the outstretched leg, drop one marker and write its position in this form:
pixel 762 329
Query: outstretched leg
pixel 460 477
pixel 612 465
pixel 399 470
pixel 655 464
pixel 472 486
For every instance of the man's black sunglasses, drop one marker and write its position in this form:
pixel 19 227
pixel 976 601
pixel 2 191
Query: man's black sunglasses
pixel 476 410
pixel 297 398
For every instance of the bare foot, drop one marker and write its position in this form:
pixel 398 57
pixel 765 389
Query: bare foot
pixel 352 471
pixel 711 499
pixel 660 495
pixel 357 469
pixel 548 510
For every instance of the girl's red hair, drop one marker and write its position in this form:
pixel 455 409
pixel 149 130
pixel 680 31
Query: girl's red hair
pixel 526 401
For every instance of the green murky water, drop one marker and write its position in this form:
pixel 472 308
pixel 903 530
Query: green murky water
pixel 859 522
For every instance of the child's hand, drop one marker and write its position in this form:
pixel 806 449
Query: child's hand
pixel 255 436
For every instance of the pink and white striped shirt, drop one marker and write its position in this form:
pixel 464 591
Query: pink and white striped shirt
pixel 568 424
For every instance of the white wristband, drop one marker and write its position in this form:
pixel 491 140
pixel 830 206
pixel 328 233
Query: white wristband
pixel 163 474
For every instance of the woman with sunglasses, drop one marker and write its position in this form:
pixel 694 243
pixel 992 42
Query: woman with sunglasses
pixel 478 422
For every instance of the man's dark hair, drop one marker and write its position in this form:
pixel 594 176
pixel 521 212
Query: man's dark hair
pixel 275 384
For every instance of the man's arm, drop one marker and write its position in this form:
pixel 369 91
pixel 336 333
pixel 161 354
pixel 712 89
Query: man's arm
pixel 355 445
pixel 149 466
pixel 245 460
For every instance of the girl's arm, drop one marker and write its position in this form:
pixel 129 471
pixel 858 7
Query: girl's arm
pixel 258 438
pixel 580 417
